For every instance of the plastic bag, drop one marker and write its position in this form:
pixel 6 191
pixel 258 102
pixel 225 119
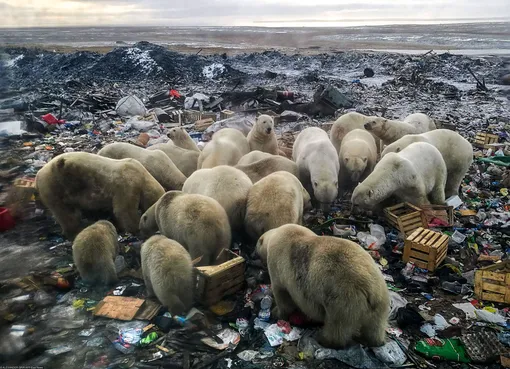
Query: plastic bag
pixel 390 353
pixel 130 106
pixel 396 303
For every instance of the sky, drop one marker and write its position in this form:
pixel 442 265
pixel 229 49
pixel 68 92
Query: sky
pixel 51 13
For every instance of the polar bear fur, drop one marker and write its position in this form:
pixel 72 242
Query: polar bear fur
pixel 422 122
pixel 457 154
pixel 329 279
pixel 318 165
pixel 185 160
pixel 168 273
pixel 275 200
pixel 155 161
pixel 197 222
pixel 346 123
pixel 253 156
pixel 264 167
pixel 181 138
pixel 417 174
pixel 226 148
pixel 75 182
pixel 390 131
pixel 262 136
pixel 227 185
pixel 358 156
pixel 94 252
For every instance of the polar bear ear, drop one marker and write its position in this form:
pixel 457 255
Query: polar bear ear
pixel 364 160
pixel 398 149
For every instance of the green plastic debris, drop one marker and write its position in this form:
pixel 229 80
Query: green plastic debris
pixel 443 349
pixel 503 161
pixel 151 337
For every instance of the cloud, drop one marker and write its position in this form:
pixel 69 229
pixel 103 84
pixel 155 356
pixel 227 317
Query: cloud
pixel 236 12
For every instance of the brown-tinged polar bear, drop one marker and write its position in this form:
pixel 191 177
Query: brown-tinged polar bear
pixel 390 131
pixel 417 174
pixel 79 181
pixel 358 156
pixel 262 136
pixel 346 123
pixel 329 279
pixel 227 146
pixel 263 167
pixel 318 165
pixel 273 201
pixel 457 154
pixel 185 160
pixel 94 252
pixel 227 185
pixel 181 138
pixel 155 161
pixel 168 273
pixel 197 222
pixel 253 156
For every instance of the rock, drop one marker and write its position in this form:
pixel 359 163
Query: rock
pixel 368 72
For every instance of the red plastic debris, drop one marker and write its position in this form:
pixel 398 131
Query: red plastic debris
pixel 174 93
pixel 51 119
pixel 6 220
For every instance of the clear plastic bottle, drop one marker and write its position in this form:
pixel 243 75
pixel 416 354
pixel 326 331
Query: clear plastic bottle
pixel 265 308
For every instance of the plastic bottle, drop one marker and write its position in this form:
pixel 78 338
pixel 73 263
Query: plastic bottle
pixel 265 308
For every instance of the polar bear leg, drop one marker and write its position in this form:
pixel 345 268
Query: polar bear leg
pixel 125 211
pixel 338 329
pixel 437 196
pixel 284 303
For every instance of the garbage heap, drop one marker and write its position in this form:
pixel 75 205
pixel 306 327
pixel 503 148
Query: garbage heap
pixel 446 265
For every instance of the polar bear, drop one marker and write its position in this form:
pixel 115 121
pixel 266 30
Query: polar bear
pixel 181 138
pixel 417 174
pixel 329 279
pixel 168 273
pixel 227 146
pixel 318 165
pixel 254 156
pixel 156 162
pixel 262 136
pixel 94 252
pixel 457 154
pixel 422 122
pixel 227 185
pixel 357 156
pixel 197 222
pixel 390 131
pixel 346 123
pixel 262 168
pixel 78 181
pixel 185 160
pixel 273 201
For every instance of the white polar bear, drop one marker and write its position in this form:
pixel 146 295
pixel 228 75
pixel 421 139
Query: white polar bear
pixel 346 123
pixel 457 154
pixel 422 122
pixel 318 165
pixel 226 148
pixel 262 136
pixel 390 131
pixel 417 175
pixel 358 156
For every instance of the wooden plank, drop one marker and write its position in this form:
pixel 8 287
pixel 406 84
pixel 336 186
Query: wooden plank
pixel 414 214
pixel 427 237
pixel 441 256
pixel 419 247
pixel 478 284
pixel 493 297
pixel 490 287
pixel 421 235
pixel 493 276
pixel 432 241
pixel 414 219
pixel 419 255
pixel 414 234
pixel 419 263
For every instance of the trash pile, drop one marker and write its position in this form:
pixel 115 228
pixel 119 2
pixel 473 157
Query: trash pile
pixel 448 273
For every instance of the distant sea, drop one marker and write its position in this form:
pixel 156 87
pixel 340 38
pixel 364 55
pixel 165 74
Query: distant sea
pixel 466 38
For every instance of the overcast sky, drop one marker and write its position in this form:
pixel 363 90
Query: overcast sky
pixel 30 13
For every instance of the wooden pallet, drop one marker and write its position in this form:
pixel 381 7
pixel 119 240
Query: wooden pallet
pixel 492 283
pixel 442 212
pixel 217 281
pixel 405 217
pixel 484 140
pixel 425 248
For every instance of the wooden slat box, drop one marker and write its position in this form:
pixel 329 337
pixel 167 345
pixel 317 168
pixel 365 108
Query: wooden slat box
pixel 217 281
pixel 425 248
pixel 492 283
pixel 442 212
pixel 484 139
pixel 405 217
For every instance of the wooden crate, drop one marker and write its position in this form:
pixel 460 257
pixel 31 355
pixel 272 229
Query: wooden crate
pixel 484 140
pixel 405 217
pixel 225 114
pixel 425 248
pixel 442 212
pixel 492 283
pixel 214 282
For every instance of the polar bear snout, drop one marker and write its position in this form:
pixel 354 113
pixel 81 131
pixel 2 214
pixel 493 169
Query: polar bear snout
pixel 368 125
pixel 268 130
